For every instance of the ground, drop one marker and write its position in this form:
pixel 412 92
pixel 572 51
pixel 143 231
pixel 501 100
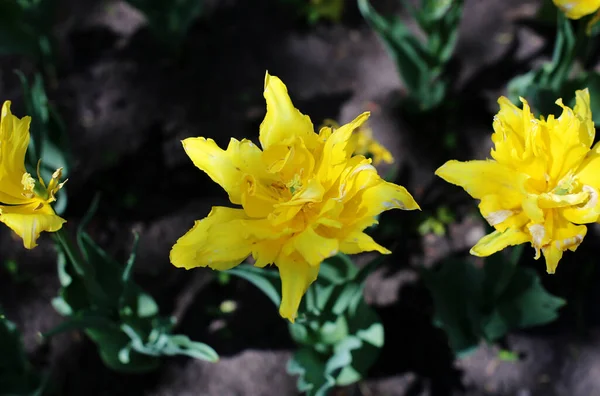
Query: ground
pixel 127 104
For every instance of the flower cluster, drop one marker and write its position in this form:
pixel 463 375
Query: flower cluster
pixel 543 183
pixel 302 198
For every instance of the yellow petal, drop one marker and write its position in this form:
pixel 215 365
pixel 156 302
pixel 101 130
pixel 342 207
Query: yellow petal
pixel 480 178
pixel 313 247
pixel 584 112
pixel 14 139
pixel 227 168
pixel 338 150
pixel 575 9
pixel 385 196
pixel 283 121
pixel 28 221
pixel 358 242
pixel 589 170
pixel 552 256
pixel 296 276
pixel 588 213
pixel 497 241
pixel 219 241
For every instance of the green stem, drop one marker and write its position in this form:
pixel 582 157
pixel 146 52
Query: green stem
pixel 81 265
pixel 563 60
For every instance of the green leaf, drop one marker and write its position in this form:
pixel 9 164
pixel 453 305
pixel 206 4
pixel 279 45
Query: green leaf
pixel 456 291
pixel 267 281
pixel 169 20
pixel 310 367
pixel 473 304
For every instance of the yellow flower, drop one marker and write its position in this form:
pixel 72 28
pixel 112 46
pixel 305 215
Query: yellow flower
pixel 303 198
pixel 24 204
pixel 542 184
pixel 575 9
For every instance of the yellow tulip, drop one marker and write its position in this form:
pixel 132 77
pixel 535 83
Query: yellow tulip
pixel 24 202
pixel 302 198
pixel 575 9
pixel 542 184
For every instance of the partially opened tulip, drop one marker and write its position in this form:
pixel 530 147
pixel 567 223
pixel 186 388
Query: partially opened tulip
pixel 24 201
pixel 542 184
pixel 300 199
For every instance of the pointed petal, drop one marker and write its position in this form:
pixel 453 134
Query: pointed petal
pixel 497 241
pixel 480 178
pixel 226 167
pixel 552 255
pixel 385 196
pixel 296 276
pixel 358 242
pixel 219 241
pixel 338 150
pixel 283 121
pixel 28 221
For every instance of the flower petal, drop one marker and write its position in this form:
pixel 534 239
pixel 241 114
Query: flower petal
pixel 219 241
pixel 296 276
pixel 312 246
pixel 480 178
pixel 227 168
pixel 385 196
pixel 14 140
pixel 337 150
pixel 28 221
pixel 283 121
pixel 497 241
pixel 358 242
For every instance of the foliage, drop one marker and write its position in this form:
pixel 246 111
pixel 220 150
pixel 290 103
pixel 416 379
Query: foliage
pixel 421 64
pixel 17 376
pixel 474 304
pixel 99 295
pixel 338 334
pixel 25 29
pixel 169 20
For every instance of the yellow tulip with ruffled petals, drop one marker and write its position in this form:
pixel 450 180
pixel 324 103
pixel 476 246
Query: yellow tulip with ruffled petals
pixel 543 183
pixel 24 202
pixel 302 198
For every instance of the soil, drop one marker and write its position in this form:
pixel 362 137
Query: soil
pixel 127 103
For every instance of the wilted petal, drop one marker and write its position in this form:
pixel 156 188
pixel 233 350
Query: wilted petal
pixel 28 221
pixel 219 241
pixel 296 276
